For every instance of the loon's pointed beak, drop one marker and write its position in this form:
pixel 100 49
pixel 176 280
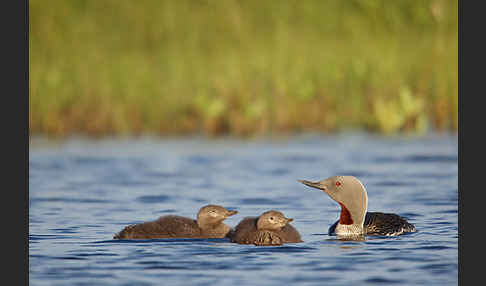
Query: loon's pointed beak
pixel 316 185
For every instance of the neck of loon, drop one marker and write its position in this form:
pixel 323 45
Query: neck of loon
pixel 353 212
pixel 353 216
pixel 354 204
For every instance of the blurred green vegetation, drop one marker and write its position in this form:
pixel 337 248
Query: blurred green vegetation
pixel 102 67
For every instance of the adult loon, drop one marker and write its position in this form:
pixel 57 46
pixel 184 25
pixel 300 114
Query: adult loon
pixel 351 195
pixel 209 224
pixel 270 228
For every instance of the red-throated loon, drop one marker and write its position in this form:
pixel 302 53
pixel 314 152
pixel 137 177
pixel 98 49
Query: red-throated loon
pixel 209 224
pixel 351 195
pixel 270 228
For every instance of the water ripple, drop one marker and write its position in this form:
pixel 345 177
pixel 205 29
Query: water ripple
pixel 80 195
pixel 258 201
pixel 153 199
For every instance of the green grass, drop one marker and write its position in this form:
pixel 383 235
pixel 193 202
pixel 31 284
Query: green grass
pixel 242 67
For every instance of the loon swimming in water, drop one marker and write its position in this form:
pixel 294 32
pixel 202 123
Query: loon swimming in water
pixel 209 224
pixel 270 228
pixel 351 195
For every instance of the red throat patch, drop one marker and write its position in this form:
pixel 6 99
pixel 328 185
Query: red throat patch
pixel 345 217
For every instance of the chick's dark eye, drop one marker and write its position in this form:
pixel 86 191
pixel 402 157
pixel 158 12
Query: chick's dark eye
pixel 338 184
pixel 271 218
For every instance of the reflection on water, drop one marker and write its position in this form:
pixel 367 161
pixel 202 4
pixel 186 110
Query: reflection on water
pixel 81 192
pixel 348 238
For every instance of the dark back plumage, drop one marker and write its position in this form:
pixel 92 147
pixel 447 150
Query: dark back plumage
pixel 378 223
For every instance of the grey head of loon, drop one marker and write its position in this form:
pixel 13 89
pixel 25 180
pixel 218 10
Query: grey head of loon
pixel 349 192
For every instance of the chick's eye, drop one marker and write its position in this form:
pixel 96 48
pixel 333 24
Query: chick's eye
pixel 271 218
pixel 338 184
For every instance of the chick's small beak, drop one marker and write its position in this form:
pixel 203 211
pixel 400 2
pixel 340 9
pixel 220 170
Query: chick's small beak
pixel 316 185
pixel 230 213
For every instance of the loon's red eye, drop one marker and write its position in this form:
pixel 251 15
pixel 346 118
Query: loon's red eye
pixel 338 184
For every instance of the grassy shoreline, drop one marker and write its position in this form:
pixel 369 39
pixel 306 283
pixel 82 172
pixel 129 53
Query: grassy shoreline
pixel 242 68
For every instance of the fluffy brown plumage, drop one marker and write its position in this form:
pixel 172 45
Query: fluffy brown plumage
pixel 270 228
pixel 209 224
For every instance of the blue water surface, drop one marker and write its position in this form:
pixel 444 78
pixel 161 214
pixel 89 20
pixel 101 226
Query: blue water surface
pixel 82 191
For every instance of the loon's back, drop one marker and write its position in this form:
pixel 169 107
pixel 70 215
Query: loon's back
pixel 378 223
